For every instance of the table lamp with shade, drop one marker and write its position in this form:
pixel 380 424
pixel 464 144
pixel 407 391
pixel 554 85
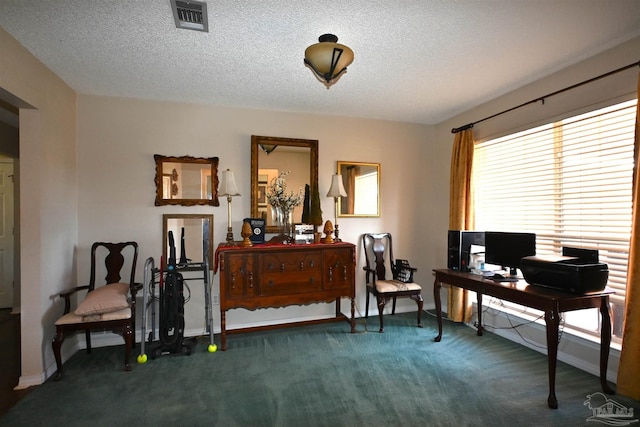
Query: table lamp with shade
pixel 228 188
pixel 336 190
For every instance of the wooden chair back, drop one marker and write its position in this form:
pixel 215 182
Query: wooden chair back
pixel 109 259
pixel 378 253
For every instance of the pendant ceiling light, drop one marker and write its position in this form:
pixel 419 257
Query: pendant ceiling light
pixel 328 59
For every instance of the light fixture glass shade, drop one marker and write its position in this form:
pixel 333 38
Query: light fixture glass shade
pixel 268 148
pixel 337 187
pixel 228 184
pixel 328 59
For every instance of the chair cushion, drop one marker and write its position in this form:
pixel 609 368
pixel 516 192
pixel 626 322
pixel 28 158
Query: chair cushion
pixel 72 318
pixel 390 286
pixel 105 299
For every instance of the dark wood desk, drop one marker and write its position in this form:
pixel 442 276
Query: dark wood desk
pixel 550 301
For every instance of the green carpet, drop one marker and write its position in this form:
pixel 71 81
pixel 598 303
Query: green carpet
pixel 320 375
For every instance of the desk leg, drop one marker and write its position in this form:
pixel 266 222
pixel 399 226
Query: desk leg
pixel 436 297
pixel 479 313
pixel 553 322
pixel 223 330
pixel 605 343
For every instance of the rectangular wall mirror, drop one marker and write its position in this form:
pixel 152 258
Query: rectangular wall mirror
pixel 272 155
pixel 198 236
pixel 362 184
pixel 186 180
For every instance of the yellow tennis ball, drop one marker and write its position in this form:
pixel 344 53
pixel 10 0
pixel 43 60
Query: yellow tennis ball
pixel 212 348
pixel 142 358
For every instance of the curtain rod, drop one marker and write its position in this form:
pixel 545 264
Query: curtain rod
pixel 542 98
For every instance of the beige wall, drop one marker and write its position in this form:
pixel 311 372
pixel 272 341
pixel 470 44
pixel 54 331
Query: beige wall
pixel 118 137
pixel 48 198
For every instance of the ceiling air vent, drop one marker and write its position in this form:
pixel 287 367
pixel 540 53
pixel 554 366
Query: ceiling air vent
pixel 190 15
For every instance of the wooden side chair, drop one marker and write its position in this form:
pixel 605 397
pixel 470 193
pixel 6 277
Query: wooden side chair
pixel 378 253
pixel 109 307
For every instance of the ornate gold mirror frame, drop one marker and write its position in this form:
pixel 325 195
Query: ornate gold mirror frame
pixel 186 181
pixel 272 155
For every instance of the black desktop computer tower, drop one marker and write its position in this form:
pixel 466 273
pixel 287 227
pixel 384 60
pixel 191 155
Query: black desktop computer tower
pixel 459 247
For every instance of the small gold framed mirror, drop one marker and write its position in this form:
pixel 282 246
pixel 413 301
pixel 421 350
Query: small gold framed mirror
pixel 362 184
pixel 186 181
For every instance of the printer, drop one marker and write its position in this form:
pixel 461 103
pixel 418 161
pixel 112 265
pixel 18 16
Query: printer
pixel 576 270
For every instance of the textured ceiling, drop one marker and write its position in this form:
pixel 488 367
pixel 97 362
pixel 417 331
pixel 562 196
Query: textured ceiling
pixel 420 61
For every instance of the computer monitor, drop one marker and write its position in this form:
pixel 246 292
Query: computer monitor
pixel 507 249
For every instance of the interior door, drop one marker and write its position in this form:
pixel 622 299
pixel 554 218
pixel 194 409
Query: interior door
pixel 6 233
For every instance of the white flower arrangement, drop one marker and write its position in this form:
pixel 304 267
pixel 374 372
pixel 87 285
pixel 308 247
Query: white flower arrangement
pixel 277 194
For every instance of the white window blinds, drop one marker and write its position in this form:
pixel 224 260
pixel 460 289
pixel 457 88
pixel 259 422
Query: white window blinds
pixel 569 182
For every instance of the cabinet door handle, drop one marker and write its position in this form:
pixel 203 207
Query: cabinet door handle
pixel 251 279
pixel 282 266
pixel 301 265
pixel 233 280
pixel 311 263
pixel 344 273
pixel 331 274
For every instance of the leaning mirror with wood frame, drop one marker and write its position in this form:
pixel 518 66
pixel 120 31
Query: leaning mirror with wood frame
pixel 362 184
pixel 198 237
pixel 269 157
pixel 186 181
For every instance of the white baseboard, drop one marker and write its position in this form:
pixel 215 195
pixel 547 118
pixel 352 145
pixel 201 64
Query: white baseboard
pixel 30 381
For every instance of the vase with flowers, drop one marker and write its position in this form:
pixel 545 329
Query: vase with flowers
pixel 282 203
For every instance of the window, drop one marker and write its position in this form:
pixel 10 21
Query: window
pixel 570 183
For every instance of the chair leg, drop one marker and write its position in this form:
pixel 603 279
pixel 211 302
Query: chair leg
pixel 57 345
pixel 366 308
pixel 420 301
pixel 87 337
pixel 381 303
pixel 393 310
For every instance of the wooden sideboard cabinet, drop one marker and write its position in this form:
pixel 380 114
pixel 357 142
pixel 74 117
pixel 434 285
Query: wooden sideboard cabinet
pixel 264 276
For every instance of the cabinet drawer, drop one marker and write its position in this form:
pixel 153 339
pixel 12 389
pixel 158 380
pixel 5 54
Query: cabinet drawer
pixel 308 261
pixel 290 283
pixel 287 273
pixel 338 268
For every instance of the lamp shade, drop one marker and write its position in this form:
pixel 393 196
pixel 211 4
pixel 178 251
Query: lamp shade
pixel 328 59
pixel 337 187
pixel 228 184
